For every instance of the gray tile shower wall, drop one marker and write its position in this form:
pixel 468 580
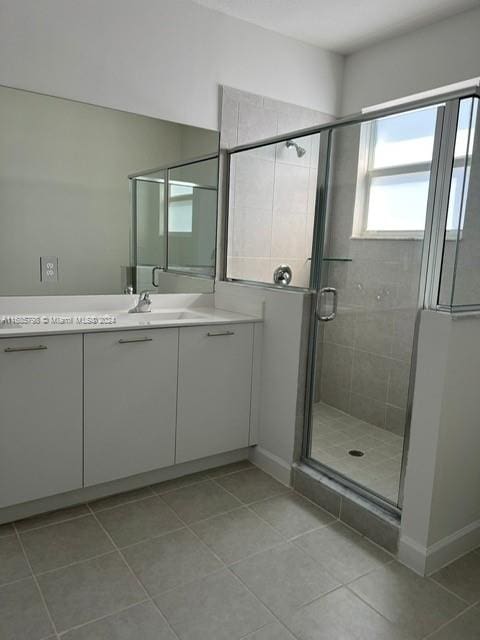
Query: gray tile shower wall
pixel 272 201
pixel 366 352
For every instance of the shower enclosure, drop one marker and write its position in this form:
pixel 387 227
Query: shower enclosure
pixel 394 229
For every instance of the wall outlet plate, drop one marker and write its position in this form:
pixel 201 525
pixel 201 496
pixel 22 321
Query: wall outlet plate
pixel 48 269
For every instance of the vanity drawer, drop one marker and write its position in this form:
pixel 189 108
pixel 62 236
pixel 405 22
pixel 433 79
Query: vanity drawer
pixel 214 390
pixel 41 429
pixel 130 381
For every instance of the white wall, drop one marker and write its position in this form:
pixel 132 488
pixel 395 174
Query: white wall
pixel 440 54
pixel 281 366
pixel 163 58
pixel 441 514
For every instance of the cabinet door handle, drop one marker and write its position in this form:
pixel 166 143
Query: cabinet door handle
pixel 128 340
pixel 223 333
pixel 38 347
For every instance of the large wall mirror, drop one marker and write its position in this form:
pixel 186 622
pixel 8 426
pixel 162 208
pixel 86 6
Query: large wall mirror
pixel 92 199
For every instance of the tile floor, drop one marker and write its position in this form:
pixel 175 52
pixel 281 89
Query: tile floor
pixel 227 554
pixel 335 433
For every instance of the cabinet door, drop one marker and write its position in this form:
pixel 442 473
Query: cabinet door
pixel 41 433
pixel 130 402
pixel 214 389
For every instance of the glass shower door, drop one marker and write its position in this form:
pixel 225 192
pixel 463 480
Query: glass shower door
pixel 369 283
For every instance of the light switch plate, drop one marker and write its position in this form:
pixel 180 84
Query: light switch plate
pixel 49 269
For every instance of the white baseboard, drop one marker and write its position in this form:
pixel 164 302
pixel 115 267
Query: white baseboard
pixel 412 555
pixel 427 560
pixel 27 509
pixel 272 464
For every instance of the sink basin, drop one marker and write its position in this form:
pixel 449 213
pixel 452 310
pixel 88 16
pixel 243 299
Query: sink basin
pixel 152 317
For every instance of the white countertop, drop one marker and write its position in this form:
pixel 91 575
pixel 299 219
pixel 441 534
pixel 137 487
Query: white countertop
pixel 50 323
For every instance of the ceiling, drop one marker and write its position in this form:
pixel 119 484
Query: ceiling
pixel 343 26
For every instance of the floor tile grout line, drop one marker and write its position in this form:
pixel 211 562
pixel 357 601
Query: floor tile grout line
pixel 37 584
pixel 290 538
pixel 395 624
pixel 248 506
pixel 50 524
pixel 120 504
pixel 285 541
pixel 199 481
pixel 365 537
pixel 383 564
pixel 459 615
pixel 249 634
pixel 368 604
pixel 100 618
pixel 335 518
pixel 40 574
pixel 116 547
pixel 449 591
pixel 226 567
pixel 148 538
pixel 190 525
pixel 220 513
pixel 12 582
pixel 133 574
pixel 278 495
pixel 88 503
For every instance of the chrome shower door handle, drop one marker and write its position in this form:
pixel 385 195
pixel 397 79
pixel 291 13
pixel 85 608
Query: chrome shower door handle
pixel 154 271
pixel 323 292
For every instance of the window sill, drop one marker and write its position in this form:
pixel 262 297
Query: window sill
pixel 450 237
pixel 387 236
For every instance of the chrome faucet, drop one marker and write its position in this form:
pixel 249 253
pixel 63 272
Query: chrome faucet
pixel 144 302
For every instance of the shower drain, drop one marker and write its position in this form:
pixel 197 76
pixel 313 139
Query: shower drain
pixel 356 453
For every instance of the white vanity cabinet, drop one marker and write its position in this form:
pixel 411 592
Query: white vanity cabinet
pixel 130 387
pixel 41 430
pixel 214 389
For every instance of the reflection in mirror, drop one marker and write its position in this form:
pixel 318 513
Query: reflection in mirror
pixel 149 206
pixel 64 194
pixel 186 196
pixel 192 217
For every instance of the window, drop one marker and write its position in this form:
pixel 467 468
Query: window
pixel 180 210
pixel 394 175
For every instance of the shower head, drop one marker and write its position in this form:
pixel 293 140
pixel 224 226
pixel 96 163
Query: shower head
pixel 300 150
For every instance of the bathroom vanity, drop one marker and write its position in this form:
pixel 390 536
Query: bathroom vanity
pixel 81 406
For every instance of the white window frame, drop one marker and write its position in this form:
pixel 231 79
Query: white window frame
pixel 364 177
pixel 362 194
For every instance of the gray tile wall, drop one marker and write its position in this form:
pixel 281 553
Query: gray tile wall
pixel 366 352
pixel 272 197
